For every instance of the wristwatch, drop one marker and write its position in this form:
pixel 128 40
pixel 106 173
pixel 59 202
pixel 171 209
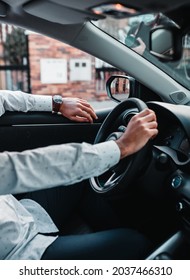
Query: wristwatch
pixel 57 100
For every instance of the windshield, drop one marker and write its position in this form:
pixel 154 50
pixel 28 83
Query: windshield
pixel 134 33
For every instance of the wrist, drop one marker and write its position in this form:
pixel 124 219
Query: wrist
pixel 123 149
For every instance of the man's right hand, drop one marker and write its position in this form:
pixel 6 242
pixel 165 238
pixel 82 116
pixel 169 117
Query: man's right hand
pixel 77 109
pixel 140 129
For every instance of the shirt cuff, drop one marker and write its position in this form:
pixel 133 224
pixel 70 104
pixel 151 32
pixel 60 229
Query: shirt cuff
pixel 110 153
pixel 42 103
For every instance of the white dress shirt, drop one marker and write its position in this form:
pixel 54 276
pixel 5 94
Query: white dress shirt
pixel 21 222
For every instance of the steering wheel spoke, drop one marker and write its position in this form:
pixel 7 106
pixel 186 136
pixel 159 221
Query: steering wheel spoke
pixel 112 179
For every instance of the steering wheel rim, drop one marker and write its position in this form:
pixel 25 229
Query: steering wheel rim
pixel 113 180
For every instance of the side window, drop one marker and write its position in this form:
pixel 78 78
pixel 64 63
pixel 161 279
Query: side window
pixel 41 65
pixel 80 69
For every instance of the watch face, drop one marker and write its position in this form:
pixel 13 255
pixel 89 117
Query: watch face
pixel 58 99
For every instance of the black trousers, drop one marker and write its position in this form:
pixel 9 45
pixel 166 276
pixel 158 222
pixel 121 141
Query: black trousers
pixel 107 239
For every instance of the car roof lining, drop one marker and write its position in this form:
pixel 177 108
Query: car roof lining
pixel 54 12
pixel 84 6
pixel 46 16
pixel 75 11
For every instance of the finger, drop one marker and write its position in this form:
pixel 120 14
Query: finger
pixel 84 114
pixel 87 105
pixel 152 124
pixel 147 115
pixel 144 116
pixel 145 112
pixel 84 102
pixel 149 118
pixel 153 133
pixel 89 110
pixel 140 41
pixel 79 119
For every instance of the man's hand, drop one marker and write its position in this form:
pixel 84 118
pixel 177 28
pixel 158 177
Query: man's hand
pixel 77 109
pixel 141 47
pixel 140 129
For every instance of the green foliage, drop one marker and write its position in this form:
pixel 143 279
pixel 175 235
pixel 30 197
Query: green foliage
pixel 15 47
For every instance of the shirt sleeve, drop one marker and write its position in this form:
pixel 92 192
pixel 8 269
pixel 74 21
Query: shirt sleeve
pixel 23 102
pixel 57 165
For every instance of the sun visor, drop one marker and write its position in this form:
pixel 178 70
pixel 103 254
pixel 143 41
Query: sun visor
pixel 58 13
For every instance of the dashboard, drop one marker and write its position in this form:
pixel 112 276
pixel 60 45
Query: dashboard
pixel 173 125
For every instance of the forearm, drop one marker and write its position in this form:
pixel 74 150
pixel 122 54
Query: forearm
pixel 54 166
pixel 23 102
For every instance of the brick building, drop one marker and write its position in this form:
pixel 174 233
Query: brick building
pixel 57 68
pixel 41 65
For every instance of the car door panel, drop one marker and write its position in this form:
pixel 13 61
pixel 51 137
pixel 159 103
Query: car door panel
pixel 21 131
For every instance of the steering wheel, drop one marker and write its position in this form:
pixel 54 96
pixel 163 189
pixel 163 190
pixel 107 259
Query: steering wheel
pixel 119 176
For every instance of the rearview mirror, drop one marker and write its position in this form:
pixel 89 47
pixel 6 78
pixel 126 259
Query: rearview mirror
pixel 166 43
pixel 120 87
